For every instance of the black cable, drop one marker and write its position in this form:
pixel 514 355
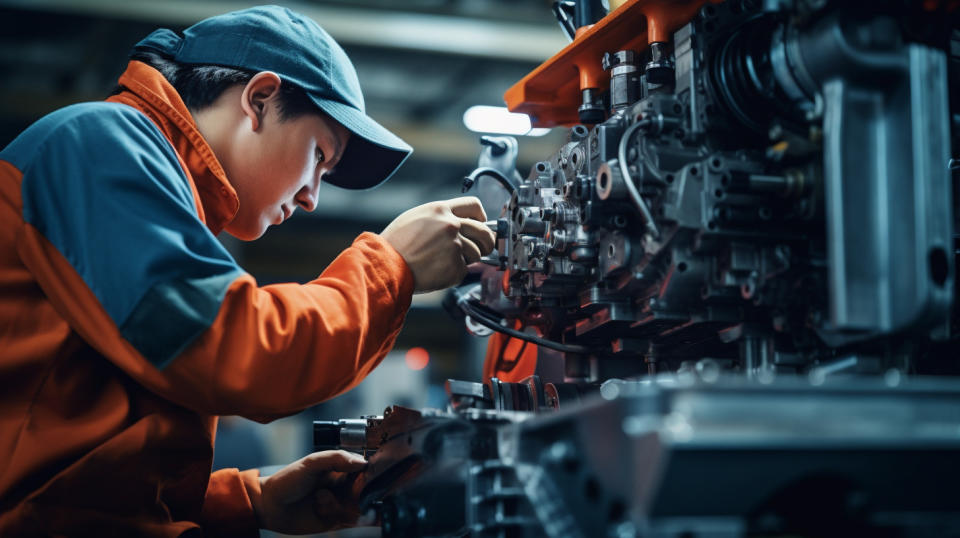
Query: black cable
pixel 487 171
pixel 477 315
pixel 549 344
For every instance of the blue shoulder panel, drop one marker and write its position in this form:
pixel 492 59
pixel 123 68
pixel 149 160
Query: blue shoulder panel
pixel 104 186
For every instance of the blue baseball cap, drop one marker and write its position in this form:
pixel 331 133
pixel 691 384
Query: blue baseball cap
pixel 273 38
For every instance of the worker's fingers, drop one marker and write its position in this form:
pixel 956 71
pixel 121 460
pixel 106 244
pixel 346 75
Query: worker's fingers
pixel 459 275
pixel 334 460
pixel 301 477
pixel 477 268
pixel 316 469
pixel 470 250
pixel 468 207
pixel 479 234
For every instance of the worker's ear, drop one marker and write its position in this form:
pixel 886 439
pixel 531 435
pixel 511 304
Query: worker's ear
pixel 260 93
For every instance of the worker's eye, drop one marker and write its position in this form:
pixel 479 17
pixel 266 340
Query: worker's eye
pixel 320 156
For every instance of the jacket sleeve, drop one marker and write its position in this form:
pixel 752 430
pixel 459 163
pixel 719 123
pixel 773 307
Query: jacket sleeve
pixel 112 235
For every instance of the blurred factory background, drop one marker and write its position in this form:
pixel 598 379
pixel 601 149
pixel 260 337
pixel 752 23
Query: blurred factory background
pixel 422 64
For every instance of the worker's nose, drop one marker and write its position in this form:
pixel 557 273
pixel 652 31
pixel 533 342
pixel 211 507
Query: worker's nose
pixel 307 196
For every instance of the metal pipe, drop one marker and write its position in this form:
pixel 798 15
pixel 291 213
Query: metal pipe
pixel 628 180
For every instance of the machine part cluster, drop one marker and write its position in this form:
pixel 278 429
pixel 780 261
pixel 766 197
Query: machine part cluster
pixel 736 182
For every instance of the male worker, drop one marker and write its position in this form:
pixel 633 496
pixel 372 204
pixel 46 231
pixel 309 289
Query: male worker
pixel 126 328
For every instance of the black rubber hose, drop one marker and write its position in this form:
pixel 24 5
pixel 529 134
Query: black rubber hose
pixel 487 171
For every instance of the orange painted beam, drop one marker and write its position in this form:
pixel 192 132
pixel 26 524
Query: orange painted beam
pixel 551 93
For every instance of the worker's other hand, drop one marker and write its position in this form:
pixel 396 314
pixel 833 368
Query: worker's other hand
pixel 439 239
pixel 312 494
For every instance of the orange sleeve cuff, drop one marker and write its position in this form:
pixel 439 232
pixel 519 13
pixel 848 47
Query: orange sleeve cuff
pixel 227 506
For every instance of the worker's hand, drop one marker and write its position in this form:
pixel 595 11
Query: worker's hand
pixel 310 495
pixel 439 239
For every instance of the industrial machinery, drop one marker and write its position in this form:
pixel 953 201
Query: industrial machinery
pixel 734 284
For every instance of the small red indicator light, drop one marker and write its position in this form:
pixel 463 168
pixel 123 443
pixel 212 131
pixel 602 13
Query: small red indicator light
pixel 417 358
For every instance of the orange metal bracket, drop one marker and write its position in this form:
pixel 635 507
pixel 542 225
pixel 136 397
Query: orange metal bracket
pixel 551 93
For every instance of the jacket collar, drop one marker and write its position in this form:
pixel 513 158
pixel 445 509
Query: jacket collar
pixel 146 89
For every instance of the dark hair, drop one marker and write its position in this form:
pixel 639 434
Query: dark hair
pixel 200 85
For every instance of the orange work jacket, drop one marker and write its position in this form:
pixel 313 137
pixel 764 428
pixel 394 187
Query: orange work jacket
pixel 126 328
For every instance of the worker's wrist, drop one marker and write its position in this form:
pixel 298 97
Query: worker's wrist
pixel 255 493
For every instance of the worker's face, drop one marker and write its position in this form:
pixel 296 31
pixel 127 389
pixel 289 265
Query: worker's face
pixel 276 165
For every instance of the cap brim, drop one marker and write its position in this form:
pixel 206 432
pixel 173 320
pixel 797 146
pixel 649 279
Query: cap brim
pixel 373 153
